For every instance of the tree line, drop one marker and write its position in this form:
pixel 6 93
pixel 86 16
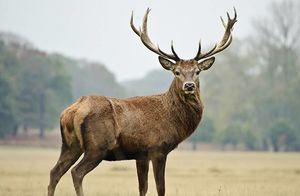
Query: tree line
pixel 35 86
pixel 253 93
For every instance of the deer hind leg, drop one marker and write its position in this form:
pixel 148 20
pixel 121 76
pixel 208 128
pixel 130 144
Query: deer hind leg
pixel 142 167
pixel 159 164
pixel 68 156
pixel 89 161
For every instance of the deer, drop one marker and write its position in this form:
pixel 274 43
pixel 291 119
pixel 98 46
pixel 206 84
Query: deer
pixel 143 128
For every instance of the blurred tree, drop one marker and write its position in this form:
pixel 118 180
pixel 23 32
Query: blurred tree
pixel 90 78
pixel 228 91
pixel 8 119
pixel 237 134
pixel 155 82
pixel 248 138
pixel 44 90
pixel 204 133
pixel 275 46
pixel 281 135
pixel 227 87
pixel 230 135
pixel 8 68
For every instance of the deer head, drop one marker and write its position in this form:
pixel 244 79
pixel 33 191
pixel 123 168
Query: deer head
pixel 186 72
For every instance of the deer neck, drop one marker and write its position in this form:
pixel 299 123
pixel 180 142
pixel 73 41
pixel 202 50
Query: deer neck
pixel 186 109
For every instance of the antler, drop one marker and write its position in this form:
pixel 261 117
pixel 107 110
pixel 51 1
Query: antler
pixel 143 34
pixel 225 42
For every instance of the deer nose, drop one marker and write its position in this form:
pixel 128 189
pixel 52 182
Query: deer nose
pixel 189 86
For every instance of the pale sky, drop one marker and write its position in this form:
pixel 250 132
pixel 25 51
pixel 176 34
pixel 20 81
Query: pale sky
pixel 99 30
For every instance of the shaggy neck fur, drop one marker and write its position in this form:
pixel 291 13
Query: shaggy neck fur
pixel 186 109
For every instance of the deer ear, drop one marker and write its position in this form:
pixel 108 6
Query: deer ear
pixel 168 65
pixel 206 64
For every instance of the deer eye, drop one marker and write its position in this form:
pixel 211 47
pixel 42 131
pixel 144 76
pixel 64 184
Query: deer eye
pixel 197 72
pixel 177 73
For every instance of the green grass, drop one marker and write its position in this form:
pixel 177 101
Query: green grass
pixel 25 172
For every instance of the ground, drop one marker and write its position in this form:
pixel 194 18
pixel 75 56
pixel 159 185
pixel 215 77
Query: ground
pixel 25 171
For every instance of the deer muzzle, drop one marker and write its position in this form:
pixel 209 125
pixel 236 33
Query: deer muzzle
pixel 189 87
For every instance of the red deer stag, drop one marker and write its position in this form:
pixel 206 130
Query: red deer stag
pixel 141 128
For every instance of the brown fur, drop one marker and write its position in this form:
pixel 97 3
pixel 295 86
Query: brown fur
pixel 133 126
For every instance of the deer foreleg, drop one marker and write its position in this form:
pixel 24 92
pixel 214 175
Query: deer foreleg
pixel 159 165
pixel 142 167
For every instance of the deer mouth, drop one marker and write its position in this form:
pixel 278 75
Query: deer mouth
pixel 187 92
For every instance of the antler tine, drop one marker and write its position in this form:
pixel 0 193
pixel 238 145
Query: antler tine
pixel 174 56
pixel 226 40
pixel 133 27
pixel 223 22
pixel 173 50
pixel 228 15
pixel 143 34
pixel 199 49
pixel 235 14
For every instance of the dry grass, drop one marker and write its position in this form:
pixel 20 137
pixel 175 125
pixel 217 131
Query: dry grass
pixel 24 171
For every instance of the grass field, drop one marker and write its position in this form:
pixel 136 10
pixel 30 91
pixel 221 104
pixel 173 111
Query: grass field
pixel 25 172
